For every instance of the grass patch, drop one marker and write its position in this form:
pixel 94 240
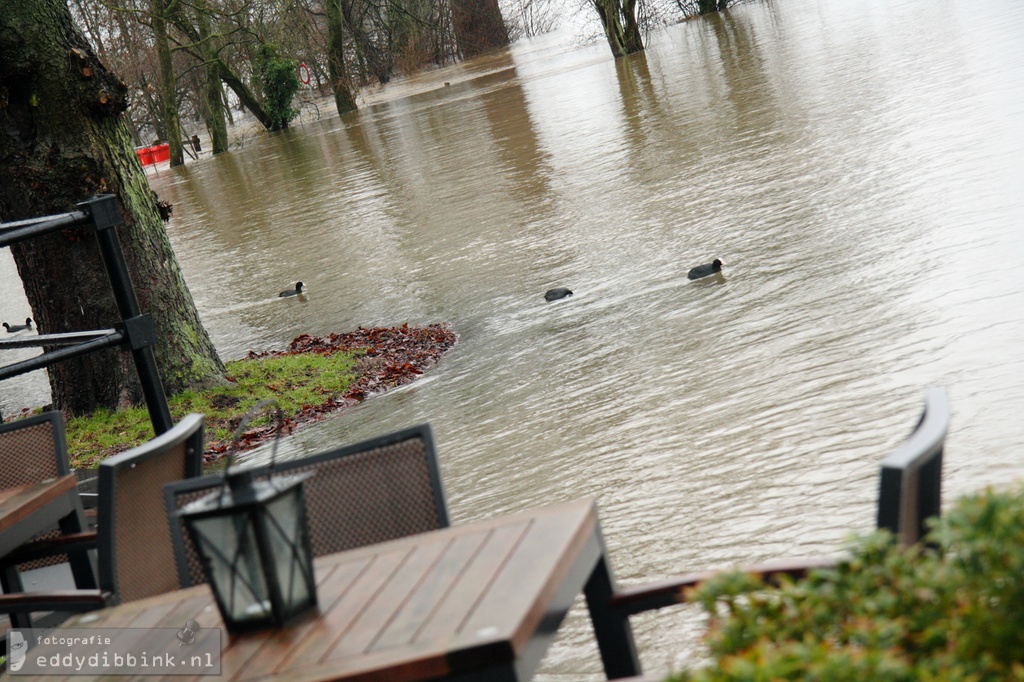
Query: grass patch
pixel 295 381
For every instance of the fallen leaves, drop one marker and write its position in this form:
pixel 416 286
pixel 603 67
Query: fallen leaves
pixel 391 357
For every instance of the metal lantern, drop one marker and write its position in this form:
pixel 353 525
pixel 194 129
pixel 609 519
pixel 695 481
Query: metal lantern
pixel 254 542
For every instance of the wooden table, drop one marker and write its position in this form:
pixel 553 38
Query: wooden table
pixel 33 508
pixel 480 601
pixel 24 507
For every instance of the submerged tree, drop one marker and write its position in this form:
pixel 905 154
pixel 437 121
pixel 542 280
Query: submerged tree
pixel 213 94
pixel 479 26
pixel 618 18
pixel 168 82
pixel 344 99
pixel 63 138
pixel 709 6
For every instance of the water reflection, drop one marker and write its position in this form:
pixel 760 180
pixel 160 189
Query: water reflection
pixel 858 169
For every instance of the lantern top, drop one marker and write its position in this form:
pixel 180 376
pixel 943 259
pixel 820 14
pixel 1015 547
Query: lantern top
pixel 241 490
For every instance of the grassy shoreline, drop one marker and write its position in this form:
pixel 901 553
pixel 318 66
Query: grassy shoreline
pixel 313 377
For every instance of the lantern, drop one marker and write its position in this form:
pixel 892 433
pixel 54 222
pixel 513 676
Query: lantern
pixel 254 542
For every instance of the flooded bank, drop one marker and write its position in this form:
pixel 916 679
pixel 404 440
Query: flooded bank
pixel 858 168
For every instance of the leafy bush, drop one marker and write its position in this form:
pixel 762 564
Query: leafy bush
pixel 955 613
pixel 278 79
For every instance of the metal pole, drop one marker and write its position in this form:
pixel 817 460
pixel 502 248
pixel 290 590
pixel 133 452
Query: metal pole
pixel 21 230
pixel 63 339
pixel 106 216
pixel 50 357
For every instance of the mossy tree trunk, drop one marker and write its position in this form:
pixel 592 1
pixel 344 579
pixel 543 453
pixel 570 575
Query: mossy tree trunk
pixel 62 139
pixel 618 17
pixel 168 81
pixel 213 95
pixel 343 97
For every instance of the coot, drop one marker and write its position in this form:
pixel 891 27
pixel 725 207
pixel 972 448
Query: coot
pixel 706 269
pixel 18 327
pixel 555 294
pixel 292 292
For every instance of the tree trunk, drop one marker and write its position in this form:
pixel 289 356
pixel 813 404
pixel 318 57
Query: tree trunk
pixel 213 95
pixel 232 80
pixel 478 26
pixel 168 82
pixel 343 97
pixel 63 138
pixel 245 95
pixel 618 17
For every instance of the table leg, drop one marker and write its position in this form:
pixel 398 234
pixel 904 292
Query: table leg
pixel 11 581
pixel 613 633
pixel 82 568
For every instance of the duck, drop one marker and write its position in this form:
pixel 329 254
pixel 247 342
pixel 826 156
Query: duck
pixel 706 269
pixel 18 327
pixel 555 294
pixel 292 292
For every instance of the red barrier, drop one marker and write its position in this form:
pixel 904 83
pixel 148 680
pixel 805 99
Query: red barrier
pixel 154 154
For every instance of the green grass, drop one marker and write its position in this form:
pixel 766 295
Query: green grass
pixel 294 381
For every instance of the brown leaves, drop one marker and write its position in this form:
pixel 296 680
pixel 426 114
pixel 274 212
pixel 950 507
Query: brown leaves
pixel 392 356
pixel 399 354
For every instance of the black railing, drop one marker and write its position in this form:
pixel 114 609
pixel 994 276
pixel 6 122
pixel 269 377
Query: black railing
pixel 135 331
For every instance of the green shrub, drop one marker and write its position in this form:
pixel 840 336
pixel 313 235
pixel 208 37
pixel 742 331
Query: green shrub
pixel 278 80
pixel 886 613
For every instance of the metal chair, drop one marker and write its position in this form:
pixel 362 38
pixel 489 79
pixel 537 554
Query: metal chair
pixel 909 493
pixel 134 558
pixel 377 490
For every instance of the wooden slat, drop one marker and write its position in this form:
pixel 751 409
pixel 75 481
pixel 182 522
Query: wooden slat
pixel 527 578
pixel 332 583
pixel 334 623
pixel 432 591
pixel 449 617
pixel 17 504
pixel 384 607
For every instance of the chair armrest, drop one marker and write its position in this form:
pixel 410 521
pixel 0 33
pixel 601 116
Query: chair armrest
pixel 662 593
pixel 49 547
pixel 59 600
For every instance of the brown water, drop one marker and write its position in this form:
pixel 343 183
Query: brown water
pixel 859 167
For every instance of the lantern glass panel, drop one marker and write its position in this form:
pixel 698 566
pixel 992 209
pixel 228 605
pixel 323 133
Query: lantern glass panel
pixel 287 532
pixel 229 542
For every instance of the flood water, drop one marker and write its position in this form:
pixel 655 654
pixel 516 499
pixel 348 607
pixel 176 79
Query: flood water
pixel 858 166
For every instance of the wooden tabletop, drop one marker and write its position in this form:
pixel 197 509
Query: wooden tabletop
pixel 19 504
pixel 464 601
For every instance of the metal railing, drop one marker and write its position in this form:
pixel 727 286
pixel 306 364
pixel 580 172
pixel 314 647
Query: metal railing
pixel 135 331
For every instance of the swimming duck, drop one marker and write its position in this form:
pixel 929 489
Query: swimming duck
pixel 18 327
pixel 706 269
pixel 555 294
pixel 292 292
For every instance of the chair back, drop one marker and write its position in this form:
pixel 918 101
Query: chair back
pixel 377 490
pixel 911 479
pixel 135 559
pixel 33 449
